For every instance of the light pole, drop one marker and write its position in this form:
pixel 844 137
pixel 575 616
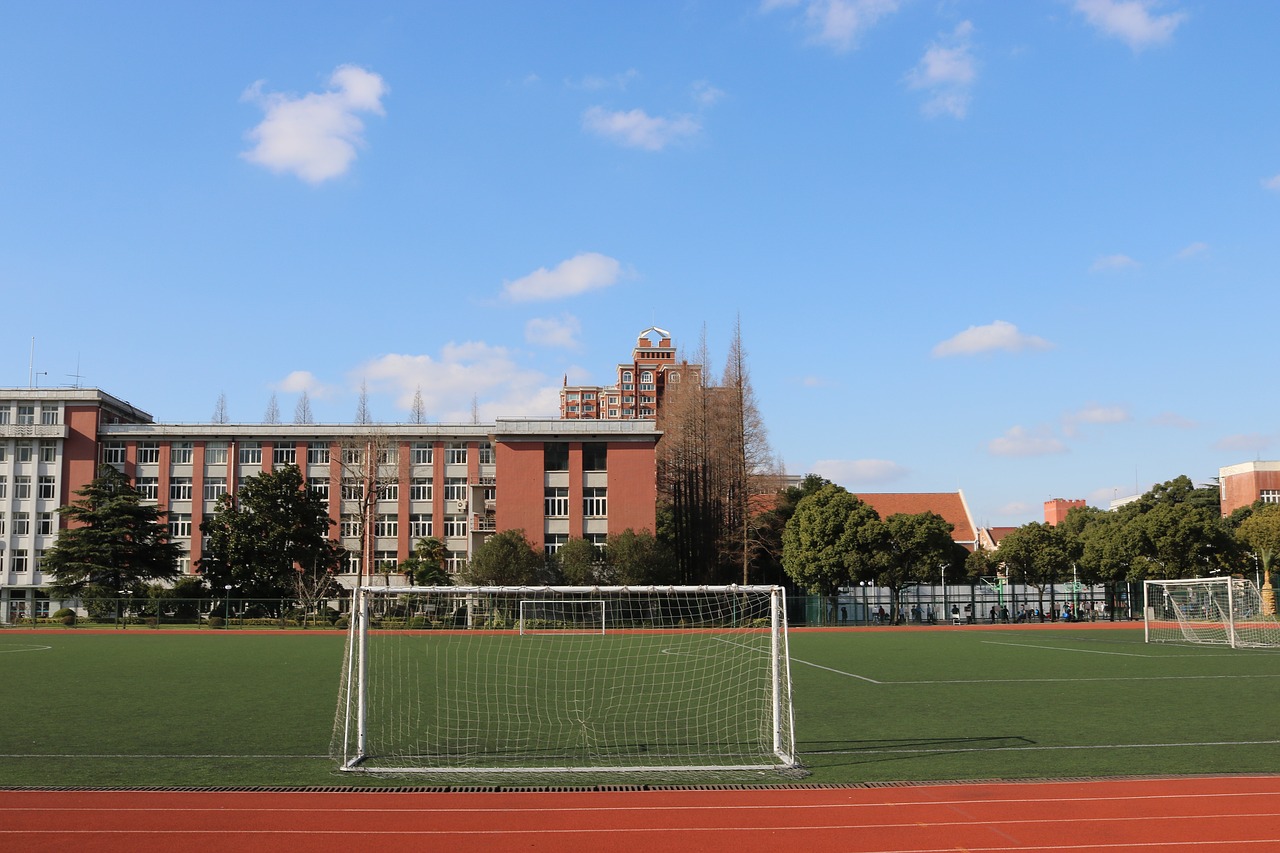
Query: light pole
pixel 226 622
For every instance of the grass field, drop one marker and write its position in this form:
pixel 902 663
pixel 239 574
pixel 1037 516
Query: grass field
pixel 213 709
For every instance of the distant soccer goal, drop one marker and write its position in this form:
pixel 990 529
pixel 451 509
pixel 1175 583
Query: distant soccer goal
pixel 566 680
pixel 1222 611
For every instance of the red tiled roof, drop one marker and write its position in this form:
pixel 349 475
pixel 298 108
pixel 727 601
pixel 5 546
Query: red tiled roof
pixel 949 505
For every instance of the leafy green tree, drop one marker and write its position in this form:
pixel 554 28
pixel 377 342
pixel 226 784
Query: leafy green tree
pixel 426 566
pixel 769 527
pixel 507 559
pixel 270 540
pixel 1260 532
pixel 580 563
pixel 115 543
pixel 638 559
pixel 1037 554
pixel 831 539
pixel 913 548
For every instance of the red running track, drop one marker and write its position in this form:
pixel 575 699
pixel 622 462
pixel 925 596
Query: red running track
pixel 1148 815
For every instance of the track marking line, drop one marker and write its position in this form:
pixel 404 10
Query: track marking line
pixel 26 648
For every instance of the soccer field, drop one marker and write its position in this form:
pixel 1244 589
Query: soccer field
pixel 152 708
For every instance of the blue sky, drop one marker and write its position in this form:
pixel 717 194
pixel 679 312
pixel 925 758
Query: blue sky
pixel 1027 250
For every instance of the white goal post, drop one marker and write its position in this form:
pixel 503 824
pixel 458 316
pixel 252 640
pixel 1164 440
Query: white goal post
pixel 1225 611
pixel 560 679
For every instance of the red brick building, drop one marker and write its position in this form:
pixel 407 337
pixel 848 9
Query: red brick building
pixel 1249 482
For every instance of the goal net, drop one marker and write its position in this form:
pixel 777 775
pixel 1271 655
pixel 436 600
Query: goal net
pixel 565 680
pixel 1216 611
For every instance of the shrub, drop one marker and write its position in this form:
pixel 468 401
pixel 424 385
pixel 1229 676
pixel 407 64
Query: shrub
pixel 215 621
pixel 69 620
pixel 342 622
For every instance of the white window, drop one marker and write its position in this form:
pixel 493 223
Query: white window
pixel 21 523
pixel 352 490
pixel 389 455
pixel 388 491
pixel 419 526
pixel 421 453
pixel 354 562
pixel 47 489
pixel 553 541
pixel 385 561
pixel 284 455
pixel 214 488
pixel 486 453
pixel 420 489
pixel 148 453
pixel 26 414
pixel 1269 496
pixel 454 527
pixel 595 503
pixel 317 453
pixel 456 562
pixel 350 527
pixel 180 489
pixel 26 451
pixel 4 414
pixel 48 416
pixel 386 526
pixel 45 525
pixel 556 501
pixel 148 488
pixel 456 453
pixel 215 454
pixel 626 376
pixel 352 456
pixel 22 488
pixel 19 564
pixel 4 487
pixel 455 488
pixel 48 451
pixel 321 488
pixel 180 453
pixel 251 453
pixel 180 525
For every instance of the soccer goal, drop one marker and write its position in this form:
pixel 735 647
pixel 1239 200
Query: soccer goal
pixel 566 680
pixel 1223 611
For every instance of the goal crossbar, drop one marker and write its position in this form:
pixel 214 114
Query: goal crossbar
pixel 614 679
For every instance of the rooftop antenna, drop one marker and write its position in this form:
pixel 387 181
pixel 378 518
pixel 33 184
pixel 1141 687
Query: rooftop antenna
pixel 31 364
pixel 76 376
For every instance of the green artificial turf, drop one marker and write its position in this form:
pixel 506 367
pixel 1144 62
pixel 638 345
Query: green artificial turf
pixel 210 710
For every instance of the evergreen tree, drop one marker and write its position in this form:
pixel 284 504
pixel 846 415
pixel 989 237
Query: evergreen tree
pixel 115 543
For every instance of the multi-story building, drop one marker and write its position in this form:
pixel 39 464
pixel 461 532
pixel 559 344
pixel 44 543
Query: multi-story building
pixel 1249 482
pixel 641 386
pixel 553 479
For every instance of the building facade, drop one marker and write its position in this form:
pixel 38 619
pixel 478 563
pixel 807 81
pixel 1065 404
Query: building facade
pixel 1249 482
pixel 641 385
pixel 553 479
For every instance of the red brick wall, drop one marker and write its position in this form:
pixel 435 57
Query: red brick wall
pixel 633 487
pixel 1243 489
pixel 519 468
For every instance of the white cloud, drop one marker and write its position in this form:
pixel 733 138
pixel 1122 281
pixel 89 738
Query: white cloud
pixel 1191 250
pixel 462 372
pixel 579 274
pixel 837 23
pixel 314 136
pixel 856 472
pixel 1245 442
pixel 1175 420
pixel 815 382
pixel 597 83
pixel 705 94
pixel 1015 508
pixel 947 71
pixel 638 129
pixel 559 332
pixel 1094 413
pixel 1113 262
pixel 1019 441
pixel 304 380
pixel 1272 183
pixel 1131 21
pixel 999 335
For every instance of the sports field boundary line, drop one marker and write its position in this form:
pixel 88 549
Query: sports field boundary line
pixel 605 788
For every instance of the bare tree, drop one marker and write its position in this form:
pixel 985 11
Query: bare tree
pixel 272 415
pixel 418 410
pixel 302 411
pixel 369 462
pixel 362 406
pixel 220 410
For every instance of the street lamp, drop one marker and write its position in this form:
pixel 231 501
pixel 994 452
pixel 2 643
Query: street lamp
pixel 227 603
